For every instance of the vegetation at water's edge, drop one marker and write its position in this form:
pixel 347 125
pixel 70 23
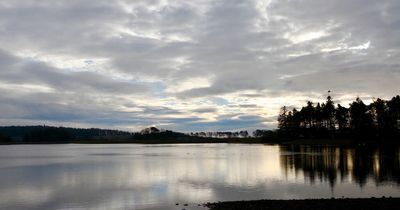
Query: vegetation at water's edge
pixel 378 121
pixel 49 134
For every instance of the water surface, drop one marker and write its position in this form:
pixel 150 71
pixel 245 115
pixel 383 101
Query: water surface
pixel 129 176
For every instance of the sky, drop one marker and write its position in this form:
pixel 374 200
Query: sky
pixel 198 65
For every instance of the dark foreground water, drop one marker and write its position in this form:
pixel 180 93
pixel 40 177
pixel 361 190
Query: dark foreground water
pixel 158 176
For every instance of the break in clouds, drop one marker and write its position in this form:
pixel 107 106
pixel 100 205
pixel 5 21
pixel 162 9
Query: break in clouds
pixel 190 65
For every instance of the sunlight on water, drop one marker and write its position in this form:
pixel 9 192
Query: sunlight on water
pixel 158 176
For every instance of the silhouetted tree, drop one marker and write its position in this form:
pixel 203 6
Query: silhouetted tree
pixel 319 116
pixel 342 117
pixel 394 112
pixel 379 113
pixel 380 119
pixel 361 118
pixel 258 133
pixel 282 118
pixel 295 120
pixel 329 114
pixel 308 114
pixel 243 134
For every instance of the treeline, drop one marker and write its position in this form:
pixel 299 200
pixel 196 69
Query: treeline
pixel 55 134
pixel 161 135
pixel 219 134
pixel 50 134
pixel 377 120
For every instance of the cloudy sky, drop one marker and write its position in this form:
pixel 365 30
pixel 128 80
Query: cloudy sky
pixel 190 65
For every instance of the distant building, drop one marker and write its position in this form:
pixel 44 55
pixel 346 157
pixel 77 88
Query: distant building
pixel 150 130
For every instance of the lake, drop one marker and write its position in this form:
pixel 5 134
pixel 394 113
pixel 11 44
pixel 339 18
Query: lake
pixel 133 176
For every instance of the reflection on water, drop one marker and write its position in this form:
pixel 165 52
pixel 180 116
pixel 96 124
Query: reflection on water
pixel 336 164
pixel 158 176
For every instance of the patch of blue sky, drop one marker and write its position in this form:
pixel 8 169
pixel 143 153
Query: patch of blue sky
pixel 220 101
pixel 158 89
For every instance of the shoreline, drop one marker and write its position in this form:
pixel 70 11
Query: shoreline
pixel 314 204
pixel 311 142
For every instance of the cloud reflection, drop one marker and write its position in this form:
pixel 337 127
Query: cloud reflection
pixel 151 177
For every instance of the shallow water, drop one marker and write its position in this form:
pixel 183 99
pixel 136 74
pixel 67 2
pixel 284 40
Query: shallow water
pixel 129 176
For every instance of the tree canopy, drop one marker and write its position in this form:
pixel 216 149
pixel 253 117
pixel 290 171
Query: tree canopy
pixel 380 119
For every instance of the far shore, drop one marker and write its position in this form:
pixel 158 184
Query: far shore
pixel 310 141
pixel 310 204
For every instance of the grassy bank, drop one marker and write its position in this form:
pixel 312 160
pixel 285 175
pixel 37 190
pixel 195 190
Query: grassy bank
pixel 310 204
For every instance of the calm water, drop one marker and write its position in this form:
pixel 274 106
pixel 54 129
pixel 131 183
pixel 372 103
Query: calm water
pixel 158 176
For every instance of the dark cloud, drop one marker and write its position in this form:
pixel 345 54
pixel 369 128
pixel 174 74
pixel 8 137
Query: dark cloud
pixel 205 110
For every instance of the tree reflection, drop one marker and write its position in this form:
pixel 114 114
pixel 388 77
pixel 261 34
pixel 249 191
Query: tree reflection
pixel 334 164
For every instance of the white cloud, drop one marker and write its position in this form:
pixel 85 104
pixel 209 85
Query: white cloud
pixel 361 46
pixel 308 36
pixel 188 84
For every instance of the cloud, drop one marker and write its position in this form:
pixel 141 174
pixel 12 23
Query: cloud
pixel 22 71
pixel 205 110
pixel 171 59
